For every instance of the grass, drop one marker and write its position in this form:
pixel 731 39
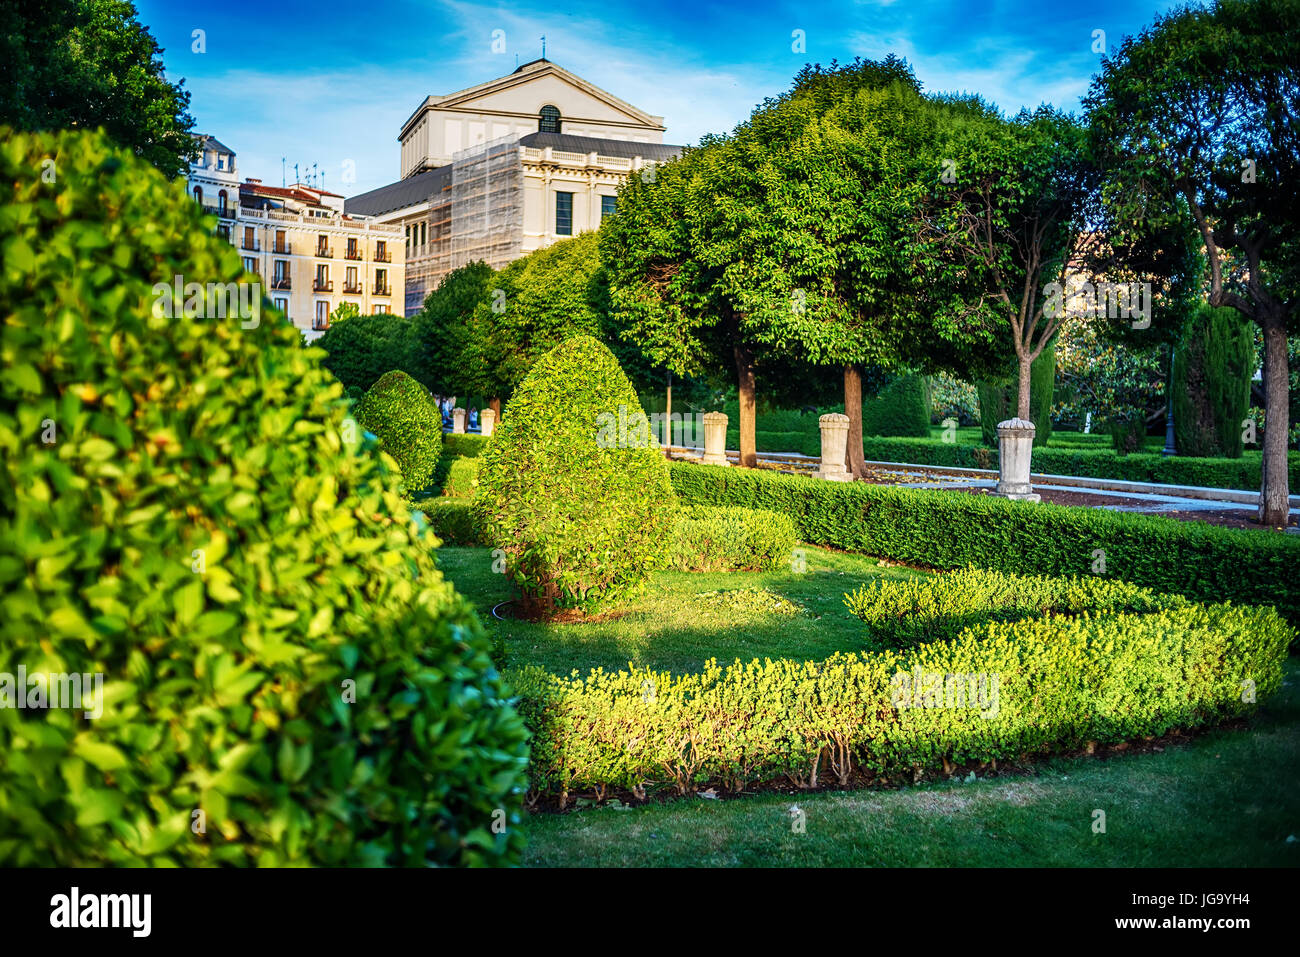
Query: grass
pixel 670 628
pixel 1226 799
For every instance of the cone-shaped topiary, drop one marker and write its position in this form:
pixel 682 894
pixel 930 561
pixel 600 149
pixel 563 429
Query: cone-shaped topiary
pixel 573 487
pixel 286 676
pixel 402 413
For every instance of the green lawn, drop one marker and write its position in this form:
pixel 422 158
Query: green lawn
pixel 669 629
pixel 1228 799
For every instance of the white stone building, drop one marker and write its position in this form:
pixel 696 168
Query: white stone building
pixel 509 166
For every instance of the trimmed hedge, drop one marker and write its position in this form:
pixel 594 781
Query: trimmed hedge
pixel 1242 473
pixel 725 539
pixel 902 408
pixel 464 444
pixel 950 530
pixel 1037 687
pixel 453 521
pixel 571 490
pixel 402 413
pixel 462 477
pixel 803 443
pixel 277 645
pixel 915 610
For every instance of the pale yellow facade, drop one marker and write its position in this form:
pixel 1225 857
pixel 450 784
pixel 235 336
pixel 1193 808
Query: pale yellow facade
pixel 310 255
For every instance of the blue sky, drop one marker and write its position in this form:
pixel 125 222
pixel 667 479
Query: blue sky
pixel 330 82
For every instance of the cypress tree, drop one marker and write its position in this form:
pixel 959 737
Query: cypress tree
pixel 1211 383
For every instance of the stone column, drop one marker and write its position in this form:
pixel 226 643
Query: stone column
pixel 835 443
pixel 715 438
pixel 458 421
pixel 487 421
pixel 1015 443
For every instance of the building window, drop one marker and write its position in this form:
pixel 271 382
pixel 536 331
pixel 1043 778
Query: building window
pixel 381 282
pixel 198 195
pixel 606 207
pixel 250 264
pixel 548 121
pixel 408 237
pixel 322 320
pixel 283 306
pixel 380 309
pixel 563 214
pixel 424 233
pixel 221 202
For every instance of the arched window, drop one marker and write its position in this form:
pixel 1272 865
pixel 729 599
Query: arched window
pixel 548 120
pixel 198 195
pixel 221 202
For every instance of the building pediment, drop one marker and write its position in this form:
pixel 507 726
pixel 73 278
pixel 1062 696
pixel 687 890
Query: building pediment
pixel 532 86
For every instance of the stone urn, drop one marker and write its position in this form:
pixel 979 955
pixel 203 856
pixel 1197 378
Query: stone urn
pixel 715 438
pixel 1015 443
pixel 835 443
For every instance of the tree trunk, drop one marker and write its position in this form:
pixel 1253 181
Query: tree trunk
pixel 1022 392
pixel 494 404
pixel 668 418
pixel 854 460
pixel 745 381
pixel 1273 492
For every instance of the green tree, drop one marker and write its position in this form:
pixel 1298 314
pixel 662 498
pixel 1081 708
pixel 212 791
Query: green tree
pixel 1210 389
pixel 361 348
pixel 550 295
pixel 998 399
pixel 1199 117
pixel 449 355
pixel 82 64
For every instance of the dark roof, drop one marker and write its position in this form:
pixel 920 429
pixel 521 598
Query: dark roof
pixel 405 192
pixel 420 187
pixel 212 143
pixel 524 66
pixel 592 144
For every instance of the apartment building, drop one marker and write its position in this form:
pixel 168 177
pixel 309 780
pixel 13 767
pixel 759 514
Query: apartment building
pixel 311 254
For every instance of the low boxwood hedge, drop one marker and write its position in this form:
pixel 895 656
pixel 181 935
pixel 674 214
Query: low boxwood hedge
pixel 947 530
pixel 907 612
pixel 453 521
pixel 466 445
pixel 730 539
pixel 1004 690
pixel 461 479
pixel 1242 473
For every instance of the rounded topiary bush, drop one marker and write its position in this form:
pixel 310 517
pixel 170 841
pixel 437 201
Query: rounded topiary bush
pixel 404 416
pixel 573 487
pixel 287 677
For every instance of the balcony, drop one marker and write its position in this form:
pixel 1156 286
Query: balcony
pixel 281 282
pixel 222 212
pixel 383 256
pixel 353 254
pixel 284 249
pixel 352 287
pixel 382 290
pixel 325 252
pixel 252 245
pixel 322 285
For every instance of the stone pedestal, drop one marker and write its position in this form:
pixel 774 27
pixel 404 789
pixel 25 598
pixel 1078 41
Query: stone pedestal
pixel 715 438
pixel 1015 443
pixel 458 421
pixel 487 422
pixel 835 443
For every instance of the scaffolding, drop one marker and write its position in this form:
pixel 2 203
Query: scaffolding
pixel 487 204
